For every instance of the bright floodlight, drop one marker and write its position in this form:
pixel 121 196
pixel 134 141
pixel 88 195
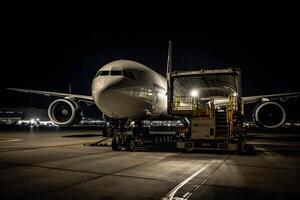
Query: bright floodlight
pixel 194 93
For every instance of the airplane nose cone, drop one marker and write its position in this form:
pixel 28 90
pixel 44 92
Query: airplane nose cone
pixel 104 91
pixel 102 84
pixel 114 99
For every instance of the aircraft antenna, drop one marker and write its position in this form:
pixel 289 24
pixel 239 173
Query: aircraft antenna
pixel 169 61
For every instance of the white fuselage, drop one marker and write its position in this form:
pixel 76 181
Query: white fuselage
pixel 128 89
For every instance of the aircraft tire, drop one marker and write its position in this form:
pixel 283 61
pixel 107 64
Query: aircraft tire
pixel 130 144
pixel 114 145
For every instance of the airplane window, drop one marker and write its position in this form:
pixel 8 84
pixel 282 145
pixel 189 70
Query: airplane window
pixel 103 73
pixel 116 73
pixel 129 74
pixel 125 73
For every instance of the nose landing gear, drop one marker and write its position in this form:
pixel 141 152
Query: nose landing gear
pixel 139 138
pixel 115 144
pixel 130 143
pixel 119 135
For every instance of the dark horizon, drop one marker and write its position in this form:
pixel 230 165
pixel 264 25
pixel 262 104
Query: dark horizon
pixel 48 47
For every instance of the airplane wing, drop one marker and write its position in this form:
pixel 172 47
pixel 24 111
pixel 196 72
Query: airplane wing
pixel 253 99
pixel 84 98
pixel 282 96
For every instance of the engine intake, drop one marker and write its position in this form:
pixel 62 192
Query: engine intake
pixel 63 112
pixel 269 115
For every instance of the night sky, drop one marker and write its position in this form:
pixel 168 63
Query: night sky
pixel 46 47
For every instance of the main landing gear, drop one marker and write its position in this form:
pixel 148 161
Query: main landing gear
pixel 122 139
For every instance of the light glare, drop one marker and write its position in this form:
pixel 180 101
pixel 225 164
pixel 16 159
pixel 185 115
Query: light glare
pixel 194 93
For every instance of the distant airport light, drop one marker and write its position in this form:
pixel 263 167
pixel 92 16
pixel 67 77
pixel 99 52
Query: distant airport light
pixel 194 93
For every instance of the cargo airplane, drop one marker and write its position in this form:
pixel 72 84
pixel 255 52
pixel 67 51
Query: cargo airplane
pixel 125 89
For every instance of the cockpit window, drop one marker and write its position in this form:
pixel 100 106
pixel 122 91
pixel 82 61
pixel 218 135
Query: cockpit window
pixel 116 73
pixel 128 74
pixel 102 73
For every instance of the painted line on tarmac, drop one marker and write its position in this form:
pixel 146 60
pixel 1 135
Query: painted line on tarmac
pixel 10 140
pixel 171 194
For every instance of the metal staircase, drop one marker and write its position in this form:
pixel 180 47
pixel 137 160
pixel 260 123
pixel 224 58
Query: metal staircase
pixel 221 123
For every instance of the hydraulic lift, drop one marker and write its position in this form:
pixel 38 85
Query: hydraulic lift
pixel 211 103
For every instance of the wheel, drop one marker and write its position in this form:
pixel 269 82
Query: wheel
pixel 130 144
pixel 114 145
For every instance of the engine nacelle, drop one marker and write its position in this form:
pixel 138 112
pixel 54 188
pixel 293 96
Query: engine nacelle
pixel 64 112
pixel 269 115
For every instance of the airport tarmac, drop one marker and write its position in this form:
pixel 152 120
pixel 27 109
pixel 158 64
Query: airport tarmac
pixel 56 165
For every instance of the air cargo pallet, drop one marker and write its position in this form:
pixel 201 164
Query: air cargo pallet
pixel 222 145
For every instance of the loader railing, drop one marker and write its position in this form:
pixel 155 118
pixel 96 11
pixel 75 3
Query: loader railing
pixel 193 105
pixel 235 106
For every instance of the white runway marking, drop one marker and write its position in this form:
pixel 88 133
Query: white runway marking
pixel 171 194
pixel 10 140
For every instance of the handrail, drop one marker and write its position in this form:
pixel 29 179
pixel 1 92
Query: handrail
pixel 197 106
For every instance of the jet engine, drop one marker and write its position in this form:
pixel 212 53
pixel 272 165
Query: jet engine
pixel 64 112
pixel 269 115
